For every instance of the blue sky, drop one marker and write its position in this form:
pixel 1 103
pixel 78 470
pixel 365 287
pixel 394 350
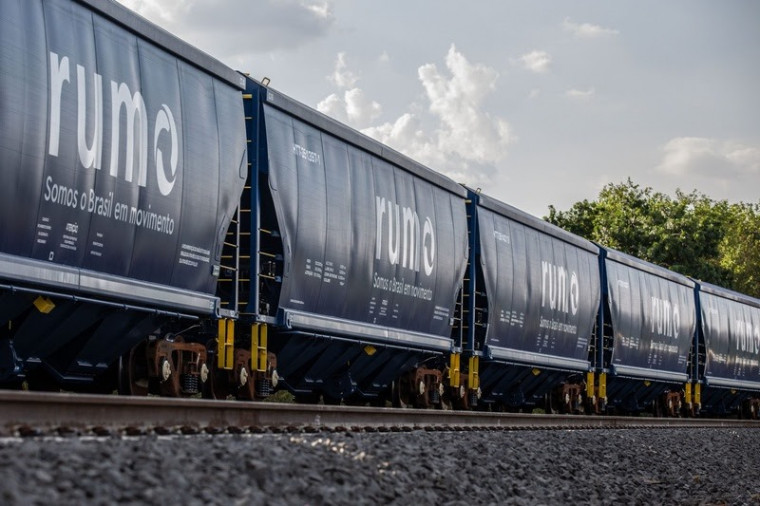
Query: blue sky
pixel 537 103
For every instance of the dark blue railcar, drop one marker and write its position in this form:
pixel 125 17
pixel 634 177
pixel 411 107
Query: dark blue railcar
pixel 357 253
pixel 649 320
pixel 122 158
pixel 727 367
pixel 533 297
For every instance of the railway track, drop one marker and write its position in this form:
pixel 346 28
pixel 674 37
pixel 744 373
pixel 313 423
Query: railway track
pixel 40 414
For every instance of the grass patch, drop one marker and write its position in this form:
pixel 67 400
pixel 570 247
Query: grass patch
pixel 281 396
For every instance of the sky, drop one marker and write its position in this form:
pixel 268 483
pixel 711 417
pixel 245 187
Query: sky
pixel 535 103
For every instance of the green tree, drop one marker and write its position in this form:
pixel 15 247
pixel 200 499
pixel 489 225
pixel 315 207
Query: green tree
pixel 690 233
pixel 579 219
pixel 740 248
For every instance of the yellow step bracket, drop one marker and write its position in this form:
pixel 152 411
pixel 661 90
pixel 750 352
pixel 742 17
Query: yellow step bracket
pixel 259 343
pixel 473 375
pixel 603 385
pixel 225 342
pixel 454 370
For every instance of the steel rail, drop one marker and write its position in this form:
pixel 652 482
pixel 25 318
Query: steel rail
pixel 34 413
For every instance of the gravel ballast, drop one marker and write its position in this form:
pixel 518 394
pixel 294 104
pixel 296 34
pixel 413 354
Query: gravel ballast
pixel 633 466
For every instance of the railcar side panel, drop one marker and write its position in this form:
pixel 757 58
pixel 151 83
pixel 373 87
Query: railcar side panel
pixel 653 318
pixel 365 242
pixel 120 159
pixel 731 330
pixel 543 292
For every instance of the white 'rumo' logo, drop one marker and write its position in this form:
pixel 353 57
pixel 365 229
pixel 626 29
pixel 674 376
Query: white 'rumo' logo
pixel 91 150
pixel 562 296
pixel 408 241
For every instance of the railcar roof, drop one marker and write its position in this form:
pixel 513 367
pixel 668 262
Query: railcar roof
pixel 728 294
pixel 137 24
pixel 358 139
pixel 643 265
pixel 531 221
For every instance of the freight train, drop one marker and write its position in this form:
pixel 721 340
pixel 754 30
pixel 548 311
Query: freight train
pixel 170 226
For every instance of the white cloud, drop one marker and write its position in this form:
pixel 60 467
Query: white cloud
pixel 235 28
pixel 536 61
pixel 165 10
pixel 354 107
pixel 581 95
pixel 320 9
pixel 333 106
pixel 407 136
pixel 587 30
pixel 715 158
pixel 468 141
pixel 534 93
pixel 360 109
pixel 342 77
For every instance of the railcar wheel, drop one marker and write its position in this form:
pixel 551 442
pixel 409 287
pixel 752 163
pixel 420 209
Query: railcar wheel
pixel 169 378
pixel 246 382
pixel 133 372
pixel 473 396
pixel 549 408
pixel 590 406
pixel 401 395
pixel 658 410
pixel 447 402
pixel 422 396
pixel 217 386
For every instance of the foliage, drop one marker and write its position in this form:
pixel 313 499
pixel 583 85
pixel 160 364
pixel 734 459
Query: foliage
pixel 740 248
pixel 281 396
pixel 690 233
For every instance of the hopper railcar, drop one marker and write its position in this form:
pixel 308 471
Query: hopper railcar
pixel 726 363
pixel 360 258
pixel 646 335
pixel 534 293
pixel 122 153
pixel 168 225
